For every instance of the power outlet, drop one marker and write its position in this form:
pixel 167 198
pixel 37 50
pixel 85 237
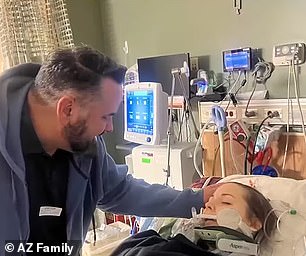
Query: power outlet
pixel 231 114
pixel 267 112
pixel 194 64
pixel 253 113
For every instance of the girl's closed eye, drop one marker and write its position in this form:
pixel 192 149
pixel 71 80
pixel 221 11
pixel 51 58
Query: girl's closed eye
pixel 226 202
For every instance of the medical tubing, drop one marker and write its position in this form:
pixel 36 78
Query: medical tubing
pixel 243 83
pixel 268 69
pixel 231 89
pixel 265 225
pixel 278 221
pixel 222 152
pixel 195 151
pixel 287 126
pixel 217 151
pixel 294 247
pixel 227 106
pixel 227 81
pixel 298 99
pixel 196 131
pixel 207 181
pixel 195 156
pixel 290 211
pixel 254 84
pixel 232 151
pixel 180 127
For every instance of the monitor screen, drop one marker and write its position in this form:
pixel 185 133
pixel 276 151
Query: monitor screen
pixel 140 111
pixel 236 60
pixel 158 70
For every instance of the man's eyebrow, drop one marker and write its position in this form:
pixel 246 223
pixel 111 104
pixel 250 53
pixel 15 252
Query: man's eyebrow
pixel 110 114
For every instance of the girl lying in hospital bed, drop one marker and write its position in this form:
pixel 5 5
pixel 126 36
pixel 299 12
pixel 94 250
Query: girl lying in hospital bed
pixel 241 209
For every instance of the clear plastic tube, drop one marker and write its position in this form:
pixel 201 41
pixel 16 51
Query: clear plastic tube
pixel 222 152
pixel 195 151
pixel 232 151
pixel 287 127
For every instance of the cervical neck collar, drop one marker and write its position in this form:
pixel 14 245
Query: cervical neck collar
pixel 228 240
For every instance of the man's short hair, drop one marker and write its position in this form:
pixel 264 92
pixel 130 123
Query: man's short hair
pixel 79 69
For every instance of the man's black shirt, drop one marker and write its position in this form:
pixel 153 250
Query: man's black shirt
pixel 47 179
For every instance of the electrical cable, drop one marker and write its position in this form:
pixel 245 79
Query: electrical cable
pixel 243 83
pixel 263 71
pixel 231 89
pixel 298 99
pixel 180 127
pixel 186 125
pixel 196 131
pixel 227 81
pixel 232 96
pixel 248 141
pixel 254 85
pixel 227 106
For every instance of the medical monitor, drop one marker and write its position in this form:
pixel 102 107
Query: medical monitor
pixel 237 60
pixel 158 69
pixel 145 113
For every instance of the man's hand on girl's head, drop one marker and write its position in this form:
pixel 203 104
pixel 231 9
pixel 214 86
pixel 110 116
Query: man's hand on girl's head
pixel 209 191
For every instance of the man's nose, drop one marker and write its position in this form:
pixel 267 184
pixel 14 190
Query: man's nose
pixel 109 126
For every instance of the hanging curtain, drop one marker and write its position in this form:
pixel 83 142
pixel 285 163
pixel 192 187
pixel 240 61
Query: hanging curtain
pixel 30 29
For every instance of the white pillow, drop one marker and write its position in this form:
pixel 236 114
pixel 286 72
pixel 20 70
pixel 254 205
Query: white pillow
pixel 292 192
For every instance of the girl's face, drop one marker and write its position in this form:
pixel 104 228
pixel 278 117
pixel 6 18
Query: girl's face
pixel 230 195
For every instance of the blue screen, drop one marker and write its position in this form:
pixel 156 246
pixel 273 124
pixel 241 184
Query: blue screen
pixel 236 60
pixel 140 111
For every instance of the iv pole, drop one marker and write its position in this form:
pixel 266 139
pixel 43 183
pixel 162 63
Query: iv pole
pixel 175 71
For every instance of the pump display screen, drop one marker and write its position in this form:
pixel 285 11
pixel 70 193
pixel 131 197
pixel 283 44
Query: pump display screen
pixel 236 60
pixel 140 111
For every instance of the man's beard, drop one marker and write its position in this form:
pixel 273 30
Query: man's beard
pixel 75 136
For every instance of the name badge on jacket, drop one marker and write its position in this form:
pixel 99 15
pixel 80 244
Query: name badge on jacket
pixel 50 211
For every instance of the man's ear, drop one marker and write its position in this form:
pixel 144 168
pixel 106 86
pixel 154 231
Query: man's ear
pixel 65 109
